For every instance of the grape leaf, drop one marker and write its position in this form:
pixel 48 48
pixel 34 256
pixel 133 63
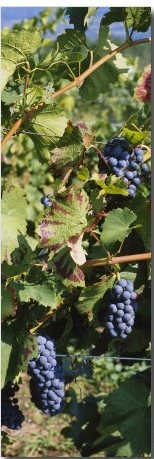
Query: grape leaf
pixel 134 137
pixel 115 14
pixel 7 303
pixel 92 294
pixel 44 293
pixel 140 207
pixel 91 11
pixel 117 225
pixel 11 94
pixel 72 43
pixel 15 350
pixel 125 407
pixel 71 146
pixel 13 220
pixel 77 252
pixel 67 270
pixel 48 125
pixel 98 82
pixel 16 47
pixel 137 18
pixel 112 185
pixel 64 219
pixel 77 16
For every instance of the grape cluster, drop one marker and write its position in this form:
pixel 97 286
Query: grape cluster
pixel 45 200
pixel 121 309
pixel 125 163
pixel 11 416
pixel 47 378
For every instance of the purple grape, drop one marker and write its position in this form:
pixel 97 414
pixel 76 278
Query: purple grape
pixel 129 175
pixel 120 322
pixel 112 161
pixel 136 181
pixel 11 416
pixel 122 282
pixel 144 168
pixel 47 378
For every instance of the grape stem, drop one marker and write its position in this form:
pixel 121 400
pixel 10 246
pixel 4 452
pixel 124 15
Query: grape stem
pixel 77 82
pixel 117 260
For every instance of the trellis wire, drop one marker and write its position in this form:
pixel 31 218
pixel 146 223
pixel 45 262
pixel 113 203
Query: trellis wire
pixel 87 357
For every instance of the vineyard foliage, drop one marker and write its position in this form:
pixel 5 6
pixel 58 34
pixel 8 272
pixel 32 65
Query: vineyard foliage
pixel 63 100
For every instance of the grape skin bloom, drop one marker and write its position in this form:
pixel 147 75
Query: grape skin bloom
pixel 47 378
pixel 120 322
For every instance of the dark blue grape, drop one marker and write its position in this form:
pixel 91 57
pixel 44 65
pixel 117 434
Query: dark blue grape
pixel 11 416
pixel 133 165
pixel 45 200
pixel 144 168
pixel 126 295
pixel 112 161
pixel 120 322
pixel 125 163
pixel 122 282
pixel 113 308
pixel 47 378
pixel 136 181
pixel 120 306
pixel 118 289
pixel 129 175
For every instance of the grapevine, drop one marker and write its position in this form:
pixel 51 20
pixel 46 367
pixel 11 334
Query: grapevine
pixel 76 247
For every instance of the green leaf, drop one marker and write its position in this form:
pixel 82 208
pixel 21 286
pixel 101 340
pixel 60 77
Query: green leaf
pixel 11 94
pixel 140 207
pixel 91 12
pixel 34 94
pixel 77 17
pixel 124 450
pixel 48 125
pixel 17 46
pixel 98 82
pixel 16 350
pixel 113 185
pixel 44 293
pixel 117 225
pixel 134 137
pixel 64 219
pixel 92 294
pixel 13 220
pixel 71 146
pixel 7 303
pixel 137 18
pixel 127 409
pixel 72 42
pixel 115 14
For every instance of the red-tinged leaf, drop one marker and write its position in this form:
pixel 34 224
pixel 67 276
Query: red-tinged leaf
pixel 9 302
pixel 68 271
pixel 77 252
pixel 65 218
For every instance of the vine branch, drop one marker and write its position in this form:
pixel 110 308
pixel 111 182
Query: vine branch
pixel 117 260
pixel 77 82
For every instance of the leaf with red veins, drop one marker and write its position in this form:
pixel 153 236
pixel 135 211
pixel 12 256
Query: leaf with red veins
pixel 68 271
pixel 65 219
pixel 77 252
